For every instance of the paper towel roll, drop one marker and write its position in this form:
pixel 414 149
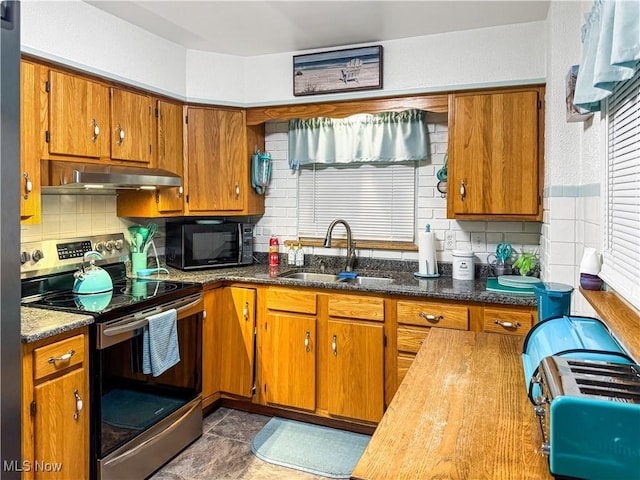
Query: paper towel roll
pixel 427 253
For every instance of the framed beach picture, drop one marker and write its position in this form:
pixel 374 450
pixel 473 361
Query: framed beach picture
pixel 338 71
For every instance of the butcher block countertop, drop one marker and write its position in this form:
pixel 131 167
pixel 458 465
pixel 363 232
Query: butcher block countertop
pixel 461 413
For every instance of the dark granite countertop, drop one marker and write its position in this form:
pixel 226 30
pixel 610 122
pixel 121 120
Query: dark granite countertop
pixel 405 283
pixel 39 323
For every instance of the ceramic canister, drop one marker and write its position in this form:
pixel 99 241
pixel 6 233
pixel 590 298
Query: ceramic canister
pixel 462 265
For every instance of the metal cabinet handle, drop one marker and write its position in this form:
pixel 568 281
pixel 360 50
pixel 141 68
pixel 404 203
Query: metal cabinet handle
pixel 307 341
pixel 509 325
pixel 429 317
pixel 334 346
pixel 62 358
pixel 28 185
pixel 120 131
pixel 237 190
pixel 180 191
pixel 463 190
pixel 245 311
pixel 96 130
pixel 79 405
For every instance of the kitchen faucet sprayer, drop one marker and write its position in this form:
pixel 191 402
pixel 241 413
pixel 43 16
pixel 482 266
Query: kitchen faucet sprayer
pixel 351 252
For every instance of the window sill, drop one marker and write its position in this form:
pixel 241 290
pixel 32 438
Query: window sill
pixel 622 318
pixel 360 244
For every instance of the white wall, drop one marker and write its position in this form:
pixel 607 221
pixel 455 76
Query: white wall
pixel 574 155
pixel 77 34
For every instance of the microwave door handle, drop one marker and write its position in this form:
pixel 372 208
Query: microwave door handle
pixel 129 327
pixel 240 242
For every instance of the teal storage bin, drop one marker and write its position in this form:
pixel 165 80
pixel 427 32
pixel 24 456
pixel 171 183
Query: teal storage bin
pixel 554 299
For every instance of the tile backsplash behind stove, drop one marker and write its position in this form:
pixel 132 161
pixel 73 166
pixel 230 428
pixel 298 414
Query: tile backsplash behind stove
pixel 67 216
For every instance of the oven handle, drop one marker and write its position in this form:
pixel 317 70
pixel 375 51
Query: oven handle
pixel 142 322
pixel 110 332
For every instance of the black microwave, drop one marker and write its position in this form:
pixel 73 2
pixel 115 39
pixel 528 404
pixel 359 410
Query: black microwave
pixel 208 244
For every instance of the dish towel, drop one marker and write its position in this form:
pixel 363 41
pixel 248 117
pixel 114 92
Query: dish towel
pixel 160 343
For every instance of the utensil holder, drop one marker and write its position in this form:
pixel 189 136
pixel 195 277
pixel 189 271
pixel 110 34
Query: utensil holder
pixel 138 262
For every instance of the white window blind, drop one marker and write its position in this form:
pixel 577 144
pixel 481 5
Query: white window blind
pixel 621 257
pixel 376 201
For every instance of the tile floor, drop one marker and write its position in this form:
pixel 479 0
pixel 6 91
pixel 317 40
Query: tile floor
pixel 224 451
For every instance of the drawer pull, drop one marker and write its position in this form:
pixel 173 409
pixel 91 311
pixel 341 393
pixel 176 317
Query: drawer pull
pixel 334 345
pixel 79 405
pixel 509 325
pixel 307 338
pixel 430 317
pixel 62 358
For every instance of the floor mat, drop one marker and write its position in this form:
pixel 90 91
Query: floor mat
pixel 311 448
pixel 136 410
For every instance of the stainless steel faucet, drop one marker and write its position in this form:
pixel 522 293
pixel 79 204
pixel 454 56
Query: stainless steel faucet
pixel 351 252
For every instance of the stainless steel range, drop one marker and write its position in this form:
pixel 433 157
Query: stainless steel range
pixel 138 421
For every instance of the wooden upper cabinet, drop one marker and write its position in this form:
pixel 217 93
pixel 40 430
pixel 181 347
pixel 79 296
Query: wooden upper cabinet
pixel 132 126
pixel 78 116
pixel 170 152
pixel 30 142
pixel 495 154
pixel 217 179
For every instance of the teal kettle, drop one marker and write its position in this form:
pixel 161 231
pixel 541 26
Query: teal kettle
pixel 92 279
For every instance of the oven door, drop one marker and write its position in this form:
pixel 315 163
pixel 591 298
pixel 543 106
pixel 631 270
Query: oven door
pixel 132 410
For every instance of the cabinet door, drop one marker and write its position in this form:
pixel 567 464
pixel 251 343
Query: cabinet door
pixel 356 370
pixel 60 438
pixel 494 159
pixel 131 126
pixel 216 176
pixel 237 337
pixel 30 142
pixel 290 360
pixel 170 154
pixel 78 116
pixel 210 349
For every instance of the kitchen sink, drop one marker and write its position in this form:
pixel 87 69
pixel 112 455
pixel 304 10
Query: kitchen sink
pixel 310 277
pixel 371 281
pixel 328 277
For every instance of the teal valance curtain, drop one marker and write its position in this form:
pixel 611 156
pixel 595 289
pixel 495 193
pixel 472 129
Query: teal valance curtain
pixel 383 138
pixel 610 50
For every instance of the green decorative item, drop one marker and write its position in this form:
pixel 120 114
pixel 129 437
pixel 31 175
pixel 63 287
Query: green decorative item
pixel 526 263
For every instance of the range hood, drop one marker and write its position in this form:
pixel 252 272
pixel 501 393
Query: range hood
pixel 69 177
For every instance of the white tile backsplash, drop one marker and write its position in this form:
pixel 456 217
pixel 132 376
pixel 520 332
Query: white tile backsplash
pixel 281 200
pixel 67 216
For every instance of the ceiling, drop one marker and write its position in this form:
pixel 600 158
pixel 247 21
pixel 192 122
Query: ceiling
pixel 247 28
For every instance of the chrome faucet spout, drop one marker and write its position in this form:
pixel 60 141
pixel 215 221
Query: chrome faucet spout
pixel 351 253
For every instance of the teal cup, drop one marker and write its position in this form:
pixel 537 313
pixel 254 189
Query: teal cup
pixel 138 262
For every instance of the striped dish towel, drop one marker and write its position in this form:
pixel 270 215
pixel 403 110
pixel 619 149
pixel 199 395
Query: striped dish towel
pixel 160 343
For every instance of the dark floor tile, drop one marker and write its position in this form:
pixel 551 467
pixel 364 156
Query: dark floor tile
pixel 214 417
pixel 239 425
pixel 211 457
pixel 164 475
pixel 258 469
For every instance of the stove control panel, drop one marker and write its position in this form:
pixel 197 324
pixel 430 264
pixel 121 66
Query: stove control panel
pixel 63 255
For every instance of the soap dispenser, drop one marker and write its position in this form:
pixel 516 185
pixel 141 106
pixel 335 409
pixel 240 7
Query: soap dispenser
pixel 299 256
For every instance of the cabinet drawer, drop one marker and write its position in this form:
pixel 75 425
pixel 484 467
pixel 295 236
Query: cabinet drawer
pixel 410 340
pixel 433 314
pixel 291 300
pixel 58 356
pixel 506 321
pixel 352 306
pixel 404 362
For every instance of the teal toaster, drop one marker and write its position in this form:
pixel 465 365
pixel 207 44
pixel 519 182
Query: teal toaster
pixel 589 414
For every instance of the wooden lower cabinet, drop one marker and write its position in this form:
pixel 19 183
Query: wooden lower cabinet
pixel 356 370
pixel 55 406
pixel 210 348
pixel 236 312
pixel 290 360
